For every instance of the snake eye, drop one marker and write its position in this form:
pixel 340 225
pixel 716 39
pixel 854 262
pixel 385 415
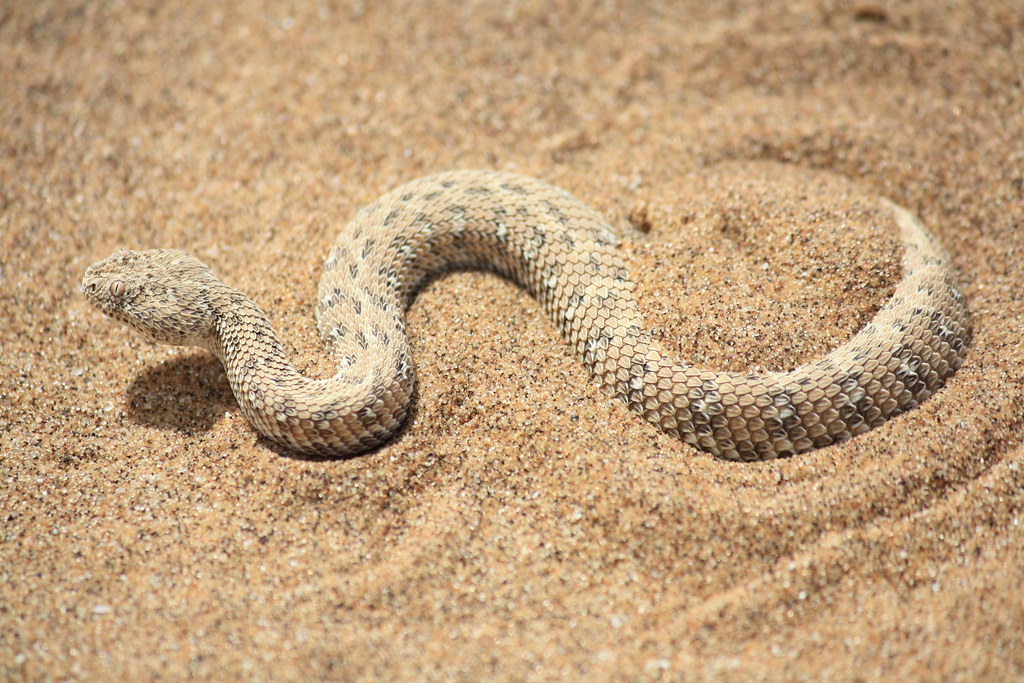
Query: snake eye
pixel 117 288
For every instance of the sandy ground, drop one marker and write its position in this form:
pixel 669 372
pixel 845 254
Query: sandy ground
pixel 523 526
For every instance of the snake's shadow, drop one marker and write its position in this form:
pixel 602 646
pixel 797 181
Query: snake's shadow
pixel 186 394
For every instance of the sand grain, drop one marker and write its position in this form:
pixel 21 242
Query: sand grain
pixel 523 525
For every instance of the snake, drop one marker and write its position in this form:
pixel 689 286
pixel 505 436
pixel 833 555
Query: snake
pixel 566 255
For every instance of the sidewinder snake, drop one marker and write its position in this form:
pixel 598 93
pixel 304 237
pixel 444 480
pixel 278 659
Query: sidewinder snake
pixel 565 255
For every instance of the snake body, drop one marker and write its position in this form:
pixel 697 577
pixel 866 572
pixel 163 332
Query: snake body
pixel 565 254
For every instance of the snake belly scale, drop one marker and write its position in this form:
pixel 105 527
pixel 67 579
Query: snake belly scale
pixel 565 254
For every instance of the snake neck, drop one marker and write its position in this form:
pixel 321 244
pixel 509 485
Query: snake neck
pixel 245 340
pixel 358 408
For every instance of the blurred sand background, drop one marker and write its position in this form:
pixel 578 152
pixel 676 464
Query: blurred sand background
pixel 523 526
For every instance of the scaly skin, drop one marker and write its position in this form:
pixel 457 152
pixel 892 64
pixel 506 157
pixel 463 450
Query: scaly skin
pixel 566 256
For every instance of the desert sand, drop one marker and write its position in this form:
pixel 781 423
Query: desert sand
pixel 523 525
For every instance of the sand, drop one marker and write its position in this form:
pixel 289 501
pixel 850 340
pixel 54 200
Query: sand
pixel 523 525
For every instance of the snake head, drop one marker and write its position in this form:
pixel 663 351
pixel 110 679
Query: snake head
pixel 166 294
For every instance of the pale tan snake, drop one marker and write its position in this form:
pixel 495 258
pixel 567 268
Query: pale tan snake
pixel 566 255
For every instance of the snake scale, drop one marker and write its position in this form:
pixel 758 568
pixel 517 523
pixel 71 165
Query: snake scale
pixel 565 254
